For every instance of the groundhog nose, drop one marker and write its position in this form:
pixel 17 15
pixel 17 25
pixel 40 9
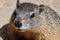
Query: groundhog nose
pixel 18 24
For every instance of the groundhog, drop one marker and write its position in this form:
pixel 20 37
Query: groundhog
pixel 22 24
pixel 29 22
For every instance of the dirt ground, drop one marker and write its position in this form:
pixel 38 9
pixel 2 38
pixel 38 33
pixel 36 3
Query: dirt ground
pixel 7 7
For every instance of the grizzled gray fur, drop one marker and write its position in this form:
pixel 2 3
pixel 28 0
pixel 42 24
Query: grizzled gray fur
pixel 51 17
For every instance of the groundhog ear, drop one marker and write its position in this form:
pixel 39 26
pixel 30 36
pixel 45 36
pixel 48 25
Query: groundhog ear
pixel 18 4
pixel 41 8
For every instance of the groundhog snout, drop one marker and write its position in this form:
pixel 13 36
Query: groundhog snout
pixel 18 24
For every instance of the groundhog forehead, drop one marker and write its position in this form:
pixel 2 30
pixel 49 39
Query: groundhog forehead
pixel 27 6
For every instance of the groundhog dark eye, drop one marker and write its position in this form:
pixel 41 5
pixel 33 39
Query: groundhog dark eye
pixel 32 15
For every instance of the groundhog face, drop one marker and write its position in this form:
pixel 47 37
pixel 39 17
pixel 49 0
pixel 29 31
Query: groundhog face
pixel 25 16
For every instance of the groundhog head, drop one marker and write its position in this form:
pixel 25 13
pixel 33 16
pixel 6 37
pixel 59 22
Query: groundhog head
pixel 26 16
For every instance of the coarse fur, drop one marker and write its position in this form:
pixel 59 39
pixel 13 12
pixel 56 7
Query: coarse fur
pixel 29 20
pixel 16 33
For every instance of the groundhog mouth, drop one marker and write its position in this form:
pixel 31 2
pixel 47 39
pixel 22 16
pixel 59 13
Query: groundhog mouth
pixel 22 29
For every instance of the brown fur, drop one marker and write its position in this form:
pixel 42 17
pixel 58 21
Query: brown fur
pixel 14 34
